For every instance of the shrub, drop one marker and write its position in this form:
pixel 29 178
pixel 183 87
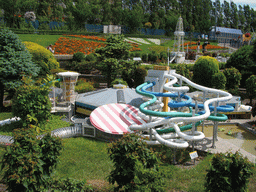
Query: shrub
pixel 29 161
pixel 153 56
pixel 139 75
pixel 84 67
pixel 222 65
pixel 42 57
pixel 83 86
pixel 219 80
pixel 228 172
pixel 144 57
pixel 184 71
pixel 117 81
pixel 191 55
pixel 233 77
pixel 133 162
pixel 204 69
pixel 242 60
pixel 251 87
pixel 90 57
pixel 68 184
pixel 78 57
pixel 31 103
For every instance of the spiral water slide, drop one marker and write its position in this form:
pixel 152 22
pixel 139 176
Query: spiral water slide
pixel 172 119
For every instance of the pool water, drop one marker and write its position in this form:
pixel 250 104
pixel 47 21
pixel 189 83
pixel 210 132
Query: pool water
pixel 235 135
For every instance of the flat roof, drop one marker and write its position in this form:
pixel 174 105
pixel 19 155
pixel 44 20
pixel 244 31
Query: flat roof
pixel 101 97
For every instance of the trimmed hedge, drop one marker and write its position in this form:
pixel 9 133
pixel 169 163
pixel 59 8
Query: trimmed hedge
pixel 204 69
pixel 42 57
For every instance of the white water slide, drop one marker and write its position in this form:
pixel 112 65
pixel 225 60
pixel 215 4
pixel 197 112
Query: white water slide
pixel 177 139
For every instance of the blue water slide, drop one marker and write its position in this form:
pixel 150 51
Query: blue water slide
pixel 172 103
pixel 222 108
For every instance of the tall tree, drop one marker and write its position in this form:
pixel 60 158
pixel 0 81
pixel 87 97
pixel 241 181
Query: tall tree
pixel 117 12
pixel 112 56
pixel 234 15
pixel 106 12
pixel 241 22
pixel 80 11
pixel 219 14
pixel 133 18
pixel 227 14
pixel 248 19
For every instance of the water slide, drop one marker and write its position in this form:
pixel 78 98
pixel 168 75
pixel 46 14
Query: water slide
pixel 172 119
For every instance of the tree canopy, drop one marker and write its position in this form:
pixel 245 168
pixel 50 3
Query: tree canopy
pixel 15 62
pixel 134 14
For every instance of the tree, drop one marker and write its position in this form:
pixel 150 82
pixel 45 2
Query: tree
pixel 242 61
pixel 234 15
pixel 15 62
pixel 251 87
pixel 233 77
pixel 241 22
pixel 111 57
pixel 80 11
pixel 227 14
pixel 133 18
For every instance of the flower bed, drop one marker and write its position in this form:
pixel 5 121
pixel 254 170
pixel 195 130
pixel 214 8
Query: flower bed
pixel 207 47
pixel 66 46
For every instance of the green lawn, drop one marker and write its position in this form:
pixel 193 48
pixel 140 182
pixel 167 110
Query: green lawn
pixel 87 159
pixel 44 40
pixel 55 122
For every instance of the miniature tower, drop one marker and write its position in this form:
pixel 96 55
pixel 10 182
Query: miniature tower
pixel 179 42
pixel 69 80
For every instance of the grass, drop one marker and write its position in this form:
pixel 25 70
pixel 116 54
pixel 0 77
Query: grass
pixel 87 159
pixel 44 40
pixel 54 122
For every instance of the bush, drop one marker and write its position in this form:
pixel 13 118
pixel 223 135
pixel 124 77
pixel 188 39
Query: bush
pixel 78 57
pixel 228 172
pixel 222 65
pixel 117 81
pixel 90 57
pixel 84 67
pixel 31 103
pixel 191 55
pixel 83 86
pixel 133 163
pixel 204 69
pixel 42 57
pixel 219 80
pixel 68 184
pixel 144 57
pixel 233 77
pixel 242 60
pixel 29 161
pixel 139 76
pixel 184 71
pixel 153 56
pixel 251 87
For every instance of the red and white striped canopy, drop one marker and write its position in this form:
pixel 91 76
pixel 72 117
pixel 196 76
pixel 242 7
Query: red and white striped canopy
pixel 115 118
